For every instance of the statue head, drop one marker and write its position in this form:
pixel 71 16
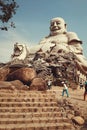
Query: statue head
pixel 57 26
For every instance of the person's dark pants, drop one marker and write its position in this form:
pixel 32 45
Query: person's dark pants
pixel 65 91
pixel 85 94
pixel 49 86
pixel 81 86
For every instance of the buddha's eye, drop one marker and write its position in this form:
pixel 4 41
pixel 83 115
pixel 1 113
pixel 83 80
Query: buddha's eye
pixel 52 23
pixel 57 23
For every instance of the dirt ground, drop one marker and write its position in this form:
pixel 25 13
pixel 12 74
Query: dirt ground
pixel 75 96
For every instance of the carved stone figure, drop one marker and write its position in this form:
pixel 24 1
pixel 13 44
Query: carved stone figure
pixel 20 51
pixel 59 40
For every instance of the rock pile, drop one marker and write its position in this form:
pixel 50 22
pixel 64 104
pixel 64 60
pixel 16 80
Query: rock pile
pixel 53 66
pixel 73 112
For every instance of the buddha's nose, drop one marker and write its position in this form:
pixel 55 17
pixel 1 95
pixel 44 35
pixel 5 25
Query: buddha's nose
pixel 55 24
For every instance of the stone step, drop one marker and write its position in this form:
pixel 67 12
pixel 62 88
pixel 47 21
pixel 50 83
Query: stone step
pixel 29 109
pixel 28 93
pixel 27 99
pixel 33 120
pixel 27 104
pixel 26 115
pixel 37 126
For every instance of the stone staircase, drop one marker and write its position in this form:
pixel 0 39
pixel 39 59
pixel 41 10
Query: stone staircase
pixel 31 110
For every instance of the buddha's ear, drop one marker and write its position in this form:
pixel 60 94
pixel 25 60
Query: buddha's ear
pixel 65 25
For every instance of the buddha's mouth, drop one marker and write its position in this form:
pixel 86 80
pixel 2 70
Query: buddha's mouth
pixel 55 29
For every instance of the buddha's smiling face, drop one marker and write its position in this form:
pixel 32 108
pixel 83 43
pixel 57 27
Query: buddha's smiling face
pixel 57 26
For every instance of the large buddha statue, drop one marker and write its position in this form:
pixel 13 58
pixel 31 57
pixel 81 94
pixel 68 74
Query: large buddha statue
pixel 59 40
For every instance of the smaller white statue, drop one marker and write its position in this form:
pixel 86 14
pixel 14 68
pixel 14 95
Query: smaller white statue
pixel 20 52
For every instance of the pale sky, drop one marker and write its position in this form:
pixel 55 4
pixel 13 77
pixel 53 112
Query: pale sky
pixel 32 22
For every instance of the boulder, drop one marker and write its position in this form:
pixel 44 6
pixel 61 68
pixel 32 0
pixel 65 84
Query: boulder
pixel 6 85
pixel 13 85
pixel 78 120
pixel 3 73
pixel 18 85
pixel 23 74
pixel 38 84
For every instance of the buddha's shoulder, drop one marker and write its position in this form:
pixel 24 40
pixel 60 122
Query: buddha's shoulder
pixel 72 36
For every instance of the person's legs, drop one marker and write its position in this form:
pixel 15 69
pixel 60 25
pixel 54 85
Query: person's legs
pixel 63 92
pixel 85 94
pixel 67 93
pixel 81 87
pixel 49 86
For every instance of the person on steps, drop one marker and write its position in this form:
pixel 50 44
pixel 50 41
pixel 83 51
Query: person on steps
pixel 85 92
pixel 65 89
pixel 49 84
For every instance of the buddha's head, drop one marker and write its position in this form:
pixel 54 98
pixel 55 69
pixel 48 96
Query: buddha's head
pixel 57 26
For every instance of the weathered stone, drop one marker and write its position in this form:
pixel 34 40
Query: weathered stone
pixel 38 84
pixel 23 74
pixel 19 85
pixel 6 85
pixel 78 120
pixel 3 73
pixel 13 85
pixel 78 112
pixel 70 116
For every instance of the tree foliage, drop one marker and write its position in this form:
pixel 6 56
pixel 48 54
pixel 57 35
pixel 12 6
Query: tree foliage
pixel 7 10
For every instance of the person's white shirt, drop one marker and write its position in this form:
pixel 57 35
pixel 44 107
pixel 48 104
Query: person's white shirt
pixel 65 87
pixel 49 82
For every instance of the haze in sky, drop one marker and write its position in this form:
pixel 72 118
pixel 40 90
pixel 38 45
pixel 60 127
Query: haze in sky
pixel 32 22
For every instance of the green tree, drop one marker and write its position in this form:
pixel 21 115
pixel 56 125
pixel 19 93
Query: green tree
pixel 7 10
